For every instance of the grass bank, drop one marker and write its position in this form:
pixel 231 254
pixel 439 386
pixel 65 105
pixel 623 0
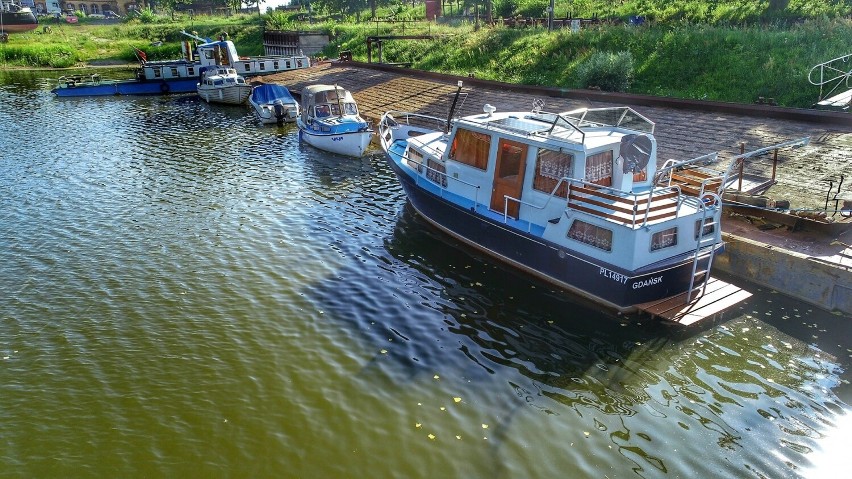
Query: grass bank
pixel 724 63
pixel 678 59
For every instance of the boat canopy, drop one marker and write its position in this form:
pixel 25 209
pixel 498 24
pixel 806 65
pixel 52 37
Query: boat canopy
pixel 268 93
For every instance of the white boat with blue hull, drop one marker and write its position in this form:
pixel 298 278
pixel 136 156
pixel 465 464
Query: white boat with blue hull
pixel 329 120
pixel 568 197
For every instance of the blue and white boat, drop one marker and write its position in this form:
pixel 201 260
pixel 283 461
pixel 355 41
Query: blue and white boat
pixel 330 121
pixel 569 197
pixel 273 104
pixel 179 76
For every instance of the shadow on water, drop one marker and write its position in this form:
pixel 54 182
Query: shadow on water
pixel 738 381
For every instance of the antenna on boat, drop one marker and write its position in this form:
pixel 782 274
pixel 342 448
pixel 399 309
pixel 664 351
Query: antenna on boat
pixel 339 106
pixel 453 107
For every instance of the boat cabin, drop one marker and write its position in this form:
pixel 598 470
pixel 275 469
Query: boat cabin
pixel 323 102
pixel 224 53
pixel 221 76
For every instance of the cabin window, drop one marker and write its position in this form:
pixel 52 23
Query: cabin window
pixel 590 234
pixel 664 239
pixel 157 73
pixel 415 159
pixel 550 167
pixel 262 66
pixel 322 111
pixel 437 172
pixel 287 65
pixel 275 65
pixel 709 228
pixel 191 71
pixel 175 73
pixel 471 148
pixel 599 168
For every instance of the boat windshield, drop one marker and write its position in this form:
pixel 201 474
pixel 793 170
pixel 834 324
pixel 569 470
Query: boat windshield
pixel 349 108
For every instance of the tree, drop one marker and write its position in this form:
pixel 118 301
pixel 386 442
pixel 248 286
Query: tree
pixel 249 3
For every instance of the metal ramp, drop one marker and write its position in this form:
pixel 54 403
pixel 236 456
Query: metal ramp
pixel 843 100
pixel 716 296
pixel 833 79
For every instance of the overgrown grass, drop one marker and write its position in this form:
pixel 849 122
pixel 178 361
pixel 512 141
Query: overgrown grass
pixel 65 45
pixel 679 59
pixel 724 63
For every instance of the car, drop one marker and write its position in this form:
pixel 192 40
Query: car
pixel 111 14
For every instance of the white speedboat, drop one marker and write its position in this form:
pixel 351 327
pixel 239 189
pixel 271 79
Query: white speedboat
pixel 569 197
pixel 273 104
pixel 223 85
pixel 330 121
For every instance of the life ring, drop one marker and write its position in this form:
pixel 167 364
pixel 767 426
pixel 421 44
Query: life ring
pixel 164 87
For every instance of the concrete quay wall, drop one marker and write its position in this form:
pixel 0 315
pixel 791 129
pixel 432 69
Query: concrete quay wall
pixel 816 281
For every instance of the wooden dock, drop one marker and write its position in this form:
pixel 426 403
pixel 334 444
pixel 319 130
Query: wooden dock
pixel 718 296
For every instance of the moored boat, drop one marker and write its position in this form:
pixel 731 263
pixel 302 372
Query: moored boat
pixel 569 197
pixel 273 104
pixel 329 120
pixel 15 17
pixel 223 85
pixel 181 76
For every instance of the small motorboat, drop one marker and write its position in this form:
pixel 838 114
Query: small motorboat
pixel 329 120
pixel 223 85
pixel 273 104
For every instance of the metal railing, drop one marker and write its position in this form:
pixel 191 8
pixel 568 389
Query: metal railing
pixel 836 71
pixel 606 202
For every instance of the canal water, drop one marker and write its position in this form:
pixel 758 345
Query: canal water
pixel 185 293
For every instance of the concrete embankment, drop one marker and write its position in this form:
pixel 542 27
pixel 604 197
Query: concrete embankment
pixel 814 268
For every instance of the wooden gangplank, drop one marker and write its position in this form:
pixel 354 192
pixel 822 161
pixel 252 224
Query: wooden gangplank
pixel 718 296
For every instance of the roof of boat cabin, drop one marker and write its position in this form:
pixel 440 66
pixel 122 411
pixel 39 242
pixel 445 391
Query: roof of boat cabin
pixel 311 92
pixel 541 128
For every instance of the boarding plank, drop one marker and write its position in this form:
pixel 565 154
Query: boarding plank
pixel 718 296
pixel 729 300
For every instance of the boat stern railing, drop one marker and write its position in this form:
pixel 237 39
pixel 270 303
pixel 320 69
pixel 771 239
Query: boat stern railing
pixel 627 208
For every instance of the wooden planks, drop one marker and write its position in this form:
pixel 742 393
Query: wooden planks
pixel 718 296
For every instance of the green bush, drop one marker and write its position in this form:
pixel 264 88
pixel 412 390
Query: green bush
pixel 607 71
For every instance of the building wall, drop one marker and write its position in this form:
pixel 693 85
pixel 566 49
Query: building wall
pixel 120 7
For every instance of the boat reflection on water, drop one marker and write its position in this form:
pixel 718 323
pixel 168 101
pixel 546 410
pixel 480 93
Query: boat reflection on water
pixel 671 399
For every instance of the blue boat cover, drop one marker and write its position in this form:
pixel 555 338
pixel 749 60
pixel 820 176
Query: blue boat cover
pixel 268 92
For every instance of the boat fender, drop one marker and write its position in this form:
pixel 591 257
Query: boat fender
pixel 164 87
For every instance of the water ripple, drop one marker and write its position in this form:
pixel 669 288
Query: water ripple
pixel 186 293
